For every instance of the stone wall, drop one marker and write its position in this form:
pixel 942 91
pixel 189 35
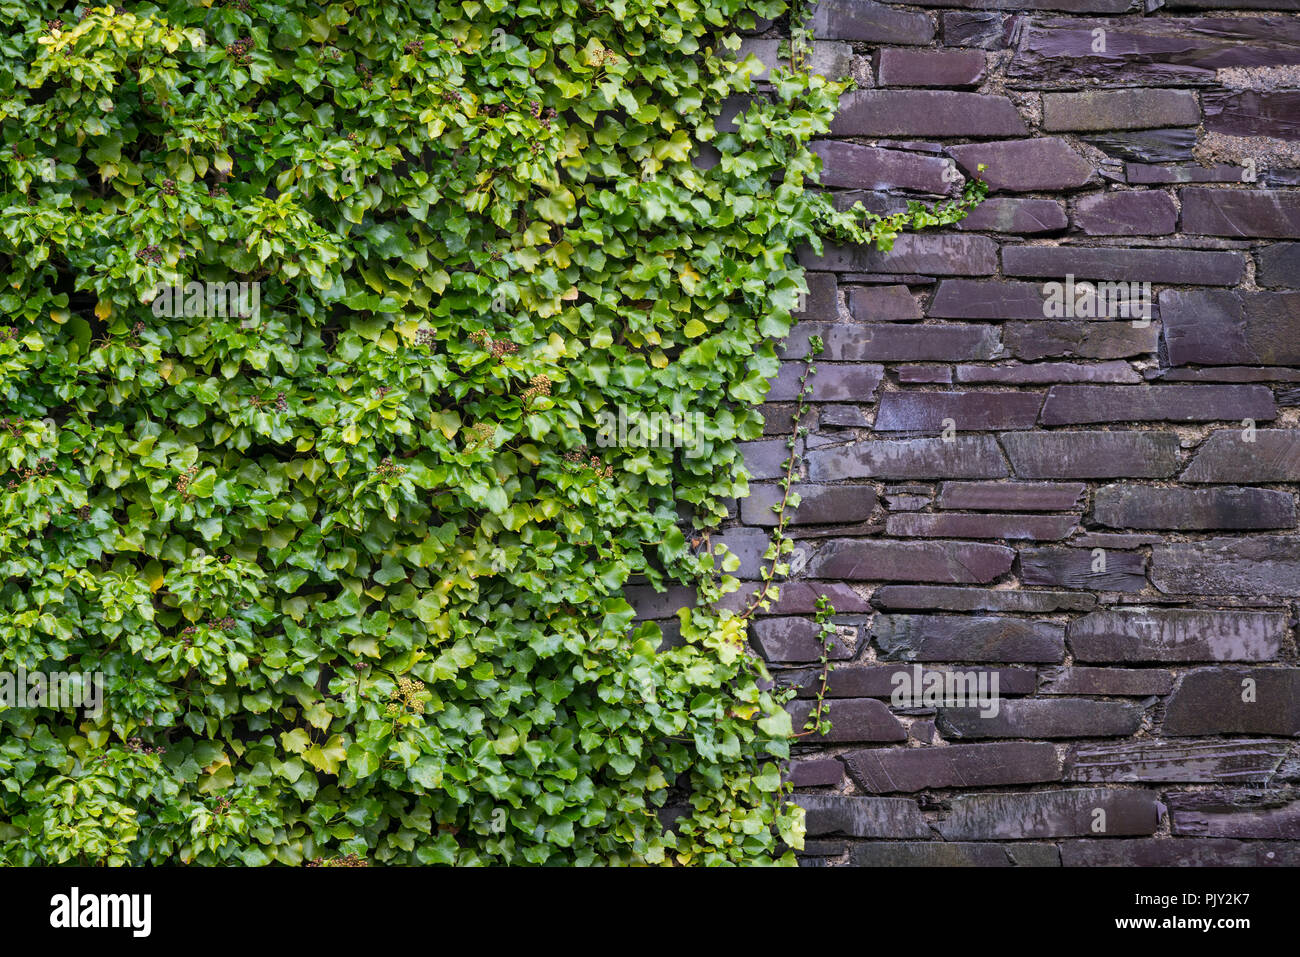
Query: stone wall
pixel 1094 507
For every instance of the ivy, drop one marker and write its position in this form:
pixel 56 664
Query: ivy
pixel 312 314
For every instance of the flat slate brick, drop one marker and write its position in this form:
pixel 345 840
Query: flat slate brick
pixel 868 167
pixel 1083 340
pixel 1025 166
pixel 870 22
pixel 1227 456
pixel 1248 814
pixel 1066 813
pixel 1045 373
pixel 931 254
pixel 881 679
pixel 1271 113
pixel 966 456
pixel 951 562
pixel 886 342
pixel 1156 50
pixel 1177 634
pixel 1076 404
pixel 853 720
pixel 882 304
pixel 1225 327
pixel 1267 565
pixel 1131 213
pixel 967 638
pixel 1278 265
pixel 971 411
pixel 927 597
pixel 1177 762
pixel 1065 567
pixel 1195 267
pixel 791 640
pixel 834 382
pixel 1024 217
pixel 1047 528
pixel 1013 496
pixel 988 31
pixel 1118 682
pixel 953 854
pixel 926 113
pixel 862 816
pixel 946 68
pixel 987 299
pixel 1092 455
pixel 1044 718
pixel 1147 146
pixel 881 771
pixel 1209 701
pixel 819 504
pixel 817 772
pixel 1179 852
pixel 1144 506
pixel 1131 109
pixel 1271 213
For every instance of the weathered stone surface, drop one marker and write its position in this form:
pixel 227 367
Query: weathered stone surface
pixel 953 854
pixel 1273 455
pixel 1015 496
pixel 1044 718
pixel 971 411
pixel 1249 814
pixel 799 598
pixel 819 504
pixel 1129 213
pixel 1139 174
pixel 763 458
pixel 1065 567
pixel 1178 852
pixel 1025 166
pixel 868 167
pixel 1067 813
pixel 862 816
pixel 1083 455
pixel 870 22
pixel 792 640
pixel 818 772
pixel 1177 762
pixel 1278 265
pixel 967 638
pixel 933 254
pixel 1007 214
pixel 1272 213
pixel 1223 327
pixel 822 301
pixel 853 720
pixel 1154 50
pixel 987 31
pixel 1147 146
pixel 882 304
pixel 947 68
pixel 880 680
pixel 1018 373
pixel 1048 528
pixel 843 417
pixel 979 599
pixel 970 456
pixel 926 113
pixel 748 544
pixel 1194 267
pixel 1139 506
pixel 951 562
pixel 1072 404
pixel 1261 565
pixel 1083 340
pixel 855 342
pixel 834 382
pixel 956 766
pixel 650 604
pixel 1177 634
pixel 941 375
pixel 1273 113
pixel 1209 701
pixel 1129 109
pixel 987 299
pixel 1135 682
pixel 1068 6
